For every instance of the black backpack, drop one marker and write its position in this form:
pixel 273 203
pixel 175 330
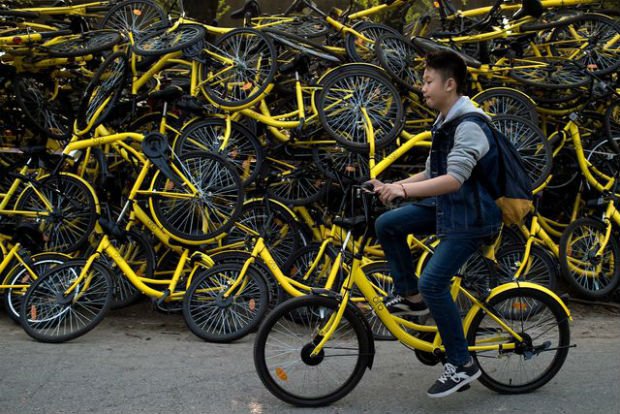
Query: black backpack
pixel 508 182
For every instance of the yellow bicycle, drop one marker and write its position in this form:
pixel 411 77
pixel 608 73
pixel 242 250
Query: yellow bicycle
pixel 313 350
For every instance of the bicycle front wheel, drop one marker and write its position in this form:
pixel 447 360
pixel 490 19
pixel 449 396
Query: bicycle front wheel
pixel 197 216
pixel 543 326
pixel 285 341
pixel 50 315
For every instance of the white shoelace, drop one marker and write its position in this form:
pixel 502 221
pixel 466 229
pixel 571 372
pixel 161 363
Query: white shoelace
pixel 449 371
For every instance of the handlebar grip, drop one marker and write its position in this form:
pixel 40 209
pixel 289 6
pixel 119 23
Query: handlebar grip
pixel 368 187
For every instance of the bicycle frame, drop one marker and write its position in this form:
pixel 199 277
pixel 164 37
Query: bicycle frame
pixel 398 326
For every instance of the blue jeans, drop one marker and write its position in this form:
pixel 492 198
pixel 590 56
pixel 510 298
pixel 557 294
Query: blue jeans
pixel 392 229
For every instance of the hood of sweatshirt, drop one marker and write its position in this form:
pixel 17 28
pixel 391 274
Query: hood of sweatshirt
pixel 463 106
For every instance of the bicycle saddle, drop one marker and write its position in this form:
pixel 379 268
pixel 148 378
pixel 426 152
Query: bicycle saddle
pixel 170 92
pixel 532 8
pixel 251 8
pixel 349 223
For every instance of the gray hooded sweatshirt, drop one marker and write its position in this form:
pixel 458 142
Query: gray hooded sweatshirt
pixel 470 142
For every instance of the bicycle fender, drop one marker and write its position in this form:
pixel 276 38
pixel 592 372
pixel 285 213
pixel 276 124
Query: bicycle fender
pixel 509 286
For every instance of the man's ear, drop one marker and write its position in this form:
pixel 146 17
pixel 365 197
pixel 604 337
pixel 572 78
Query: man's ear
pixel 450 85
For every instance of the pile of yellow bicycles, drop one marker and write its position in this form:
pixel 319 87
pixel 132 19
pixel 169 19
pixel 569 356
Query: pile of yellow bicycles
pixel 217 171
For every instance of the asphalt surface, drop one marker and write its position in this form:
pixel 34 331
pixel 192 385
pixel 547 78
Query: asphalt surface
pixel 140 361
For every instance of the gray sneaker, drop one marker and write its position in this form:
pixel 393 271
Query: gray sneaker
pixel 453 379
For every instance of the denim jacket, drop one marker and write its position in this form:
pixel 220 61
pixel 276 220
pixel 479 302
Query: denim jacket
pixel 470 211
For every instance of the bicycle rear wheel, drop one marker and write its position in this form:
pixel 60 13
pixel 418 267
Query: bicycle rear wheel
pixel 364 51
pixel 288 336
pixel 537 358
pixel 401 60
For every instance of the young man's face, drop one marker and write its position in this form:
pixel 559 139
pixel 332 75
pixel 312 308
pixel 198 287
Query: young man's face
pixel 437 90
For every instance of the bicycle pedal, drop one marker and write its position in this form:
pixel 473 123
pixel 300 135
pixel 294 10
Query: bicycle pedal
pixel 464 388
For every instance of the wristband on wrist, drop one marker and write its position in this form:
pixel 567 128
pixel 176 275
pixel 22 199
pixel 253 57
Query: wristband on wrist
pixel 404 191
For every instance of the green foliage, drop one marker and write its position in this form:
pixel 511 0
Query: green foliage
pixel 418 8
pixel 222 9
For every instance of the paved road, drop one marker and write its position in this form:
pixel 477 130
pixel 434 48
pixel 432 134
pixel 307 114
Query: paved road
pixel 138 361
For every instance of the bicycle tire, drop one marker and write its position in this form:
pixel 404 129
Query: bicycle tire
pixel 207 214
pixel 103 92
pixel 49 113
pixel 361 51
pixel 243 149
pixel 164 42
pixel 597 30
pixel 369 89
pixel 300 261
pixel 399 58
pixel 19 275
pixel 285 315
pixel 295 180
pixel 137 17
pixel 286 235
pixel 46 295
pixel 74 204
pixel 225 327
pixel 247 48
pixel 532 145
pixel 541 268
pixel 520 298
pixel 137 251
pixel 553 73
pixel 379 274
pixel 84 44
pixel 574 243
pixel 276 294
pixel 612 125
pixel 507 101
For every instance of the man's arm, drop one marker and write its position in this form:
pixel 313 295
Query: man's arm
pixel 421 176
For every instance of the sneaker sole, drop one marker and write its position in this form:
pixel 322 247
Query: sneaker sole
pixel 458 387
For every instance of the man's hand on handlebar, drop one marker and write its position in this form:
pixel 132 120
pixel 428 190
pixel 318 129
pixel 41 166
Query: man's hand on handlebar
pixel 388 194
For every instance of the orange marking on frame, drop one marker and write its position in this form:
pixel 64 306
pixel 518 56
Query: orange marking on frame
pixel 247 86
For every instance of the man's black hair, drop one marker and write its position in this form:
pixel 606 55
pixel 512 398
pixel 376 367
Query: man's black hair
pixel 449 65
